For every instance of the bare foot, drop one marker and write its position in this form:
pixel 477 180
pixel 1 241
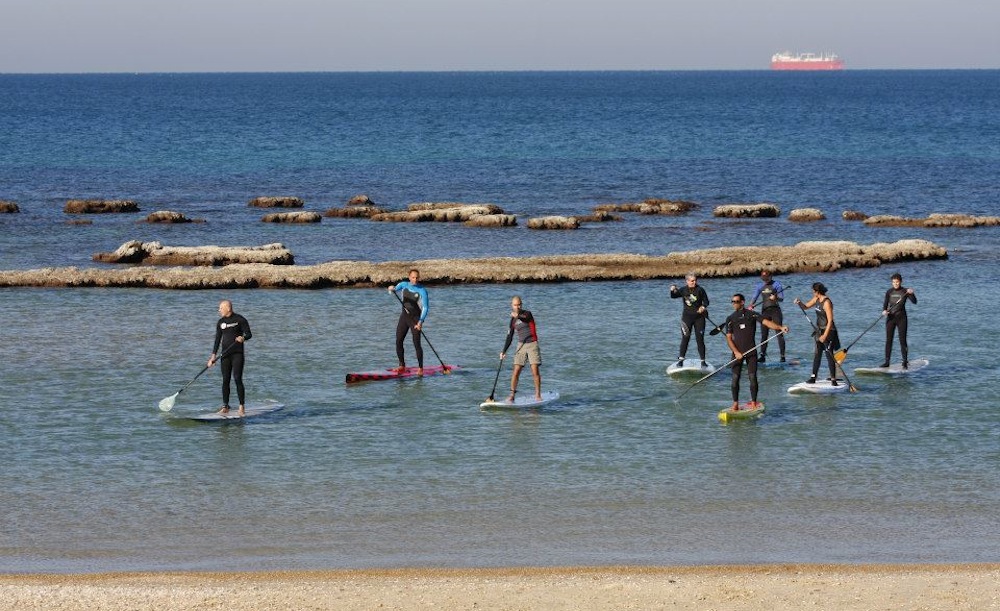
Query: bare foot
pixel 223 410
pixel 420 371
pixel 242 411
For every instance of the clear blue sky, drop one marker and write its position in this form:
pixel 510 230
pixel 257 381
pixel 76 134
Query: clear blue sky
pixel 350 35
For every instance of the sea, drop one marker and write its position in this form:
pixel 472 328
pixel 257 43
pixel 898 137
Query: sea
pixel 622 470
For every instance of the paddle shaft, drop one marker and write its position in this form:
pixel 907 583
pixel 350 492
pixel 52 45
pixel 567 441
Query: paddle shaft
pixel 851 387
pixel 731 361
pixel 444 368
pixel 205 368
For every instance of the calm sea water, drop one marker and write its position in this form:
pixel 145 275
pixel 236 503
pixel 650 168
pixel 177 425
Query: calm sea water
pixel 94 477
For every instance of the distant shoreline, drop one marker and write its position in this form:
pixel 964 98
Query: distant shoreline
pixel 805 257
pixel 765 586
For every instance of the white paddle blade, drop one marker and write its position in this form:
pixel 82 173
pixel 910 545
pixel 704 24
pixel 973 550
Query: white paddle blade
pixel 167 404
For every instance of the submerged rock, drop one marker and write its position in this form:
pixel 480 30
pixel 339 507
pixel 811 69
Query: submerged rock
pixel 8 207
pixel 154 253
pixel 853 215
pixel 100 206
pixel 169 216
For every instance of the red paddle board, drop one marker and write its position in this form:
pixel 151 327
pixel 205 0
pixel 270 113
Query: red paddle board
pixel 397 374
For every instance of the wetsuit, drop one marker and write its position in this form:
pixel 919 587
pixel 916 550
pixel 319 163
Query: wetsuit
pixel 226 332
pixel 741 327
pixel 832 341
pixel 771 310
pixel 895 303
pixel 415 308
pixel 691 319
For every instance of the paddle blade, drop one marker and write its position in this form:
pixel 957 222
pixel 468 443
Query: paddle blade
pixel 167 403
pixel 840 355
pixel 715 331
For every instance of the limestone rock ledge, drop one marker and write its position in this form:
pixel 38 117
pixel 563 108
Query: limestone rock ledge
pixel 154 253
pixel 805 257
pixel 276 202
pixel 100 206
pixel 747 211
pixel 934 220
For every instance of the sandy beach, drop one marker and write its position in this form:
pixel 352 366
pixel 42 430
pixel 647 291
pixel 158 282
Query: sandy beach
pixel 940 586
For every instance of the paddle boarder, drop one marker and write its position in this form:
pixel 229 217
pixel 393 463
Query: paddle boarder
pixel 415 309
pixel 231 332
pixel 741 329
pixel 827 339
pixel 522 324
pixel 693 317
pixel 769 294
pixel 894 308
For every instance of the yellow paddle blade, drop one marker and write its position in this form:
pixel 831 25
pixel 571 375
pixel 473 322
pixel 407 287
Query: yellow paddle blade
pixel 840 355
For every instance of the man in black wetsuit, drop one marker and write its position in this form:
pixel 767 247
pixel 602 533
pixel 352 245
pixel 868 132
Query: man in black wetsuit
pixel 894 308
pixel 770 294
pixel 231 332
pixel 694 315
pixel 741 333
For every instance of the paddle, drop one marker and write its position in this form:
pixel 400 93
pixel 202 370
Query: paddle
pixel 841 354
pixel 167 403
pixel 733 360
pixel 851 387
pixel 444 368
pixel 716 328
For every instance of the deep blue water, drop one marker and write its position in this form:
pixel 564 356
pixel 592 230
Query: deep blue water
pixel 96 478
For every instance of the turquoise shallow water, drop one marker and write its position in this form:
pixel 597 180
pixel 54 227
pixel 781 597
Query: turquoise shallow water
pixel 412 473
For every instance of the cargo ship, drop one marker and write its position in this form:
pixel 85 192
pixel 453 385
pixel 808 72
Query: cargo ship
pixel 806 61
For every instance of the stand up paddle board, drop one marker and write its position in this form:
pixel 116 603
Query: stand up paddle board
pixel 895 369
pixel 528 401
pixel 745 412
pixel 780 365
pixel 689 366
pixel 254 410
pixel 820 387
pixel 397 374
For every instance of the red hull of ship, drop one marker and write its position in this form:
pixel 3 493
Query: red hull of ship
pixel 818 65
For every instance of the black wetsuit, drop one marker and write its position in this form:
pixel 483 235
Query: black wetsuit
pixel 741 326
pixel 771 310
pixel 832 341
pixel 413 295
pixel 691 319
pixel 231 357
pixel 895 303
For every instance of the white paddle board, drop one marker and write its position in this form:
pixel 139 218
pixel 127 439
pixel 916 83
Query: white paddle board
pixel 526 401
pixel 689 366
pixel 895 369
pixel 820 387
pixel 254 410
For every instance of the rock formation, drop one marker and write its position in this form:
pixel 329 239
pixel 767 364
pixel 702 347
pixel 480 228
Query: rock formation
pixel 8 207
pixel 276 202
pixel 491 220
pixel 100 206
pixel 169 216
pixel 747 211
pixel 553 222
pixel 440 213
pixel 805 257
pixel 154 253
pixel 292 217
pixel 934 220
pixel 853 215
pixel 806 215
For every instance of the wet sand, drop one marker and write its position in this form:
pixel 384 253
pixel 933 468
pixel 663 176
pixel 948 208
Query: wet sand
pixel 777 587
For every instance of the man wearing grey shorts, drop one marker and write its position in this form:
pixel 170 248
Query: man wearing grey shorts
pixel 522 323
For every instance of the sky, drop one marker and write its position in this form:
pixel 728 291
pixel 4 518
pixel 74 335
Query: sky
pixel 44 36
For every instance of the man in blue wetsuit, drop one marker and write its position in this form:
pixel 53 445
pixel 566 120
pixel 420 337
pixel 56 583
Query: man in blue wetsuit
pixel 415 308
pixel 522 324
pixel 769 295
pixel 231 332
pixel 694 315
pixel 741 331
pixel 894 308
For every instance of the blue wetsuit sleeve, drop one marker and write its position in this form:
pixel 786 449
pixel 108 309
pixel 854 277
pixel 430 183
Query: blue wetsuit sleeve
pixel 756 293
pixel 425 305
pixel 779 291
